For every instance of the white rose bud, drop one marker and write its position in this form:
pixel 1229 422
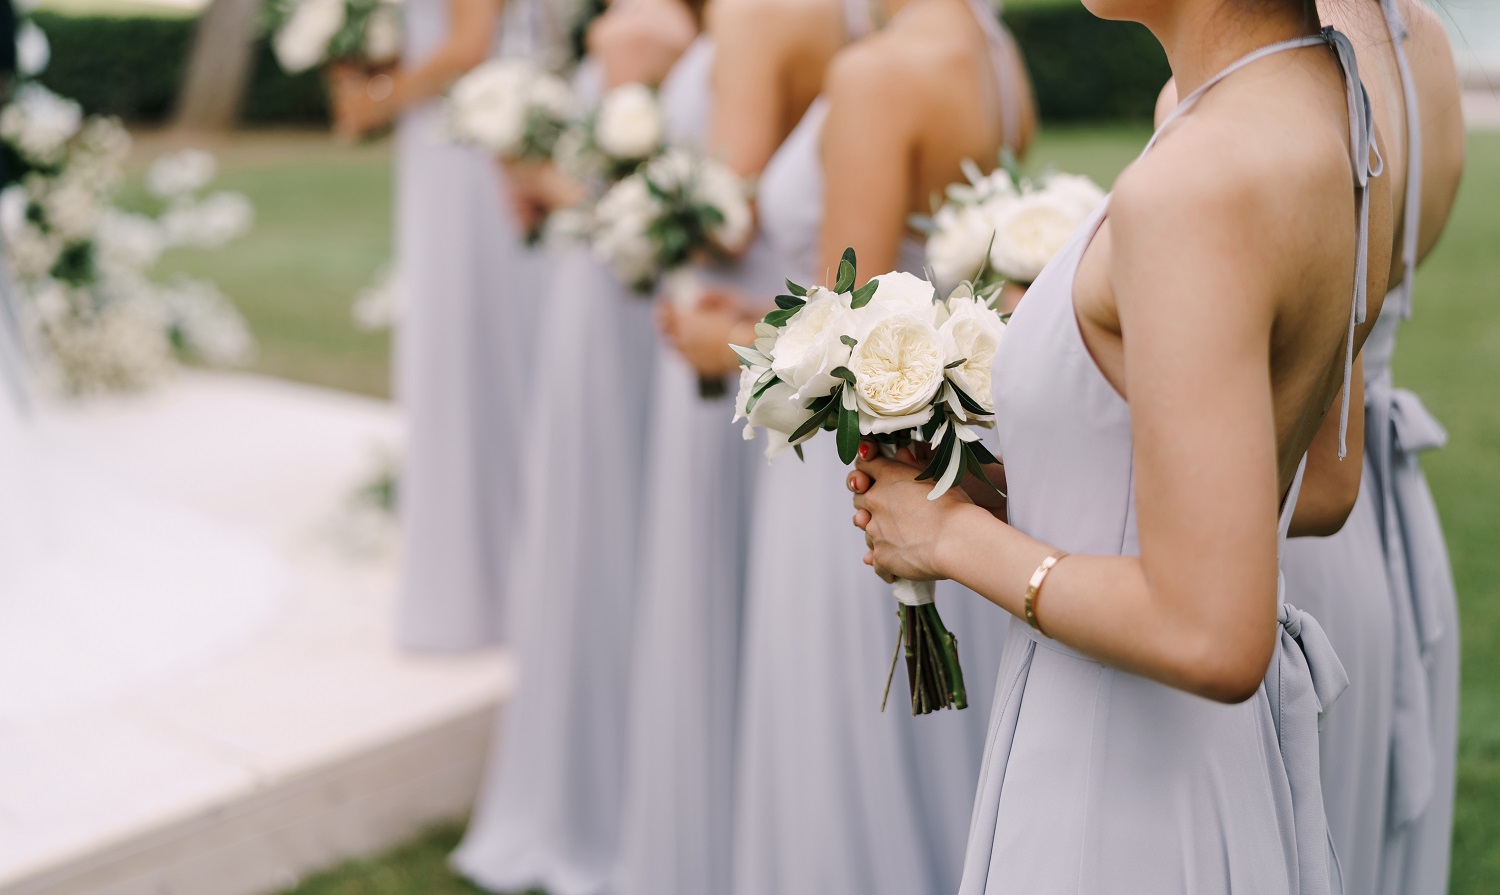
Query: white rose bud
pixel 33 50
pixel 972 334
pixel 1075 191
pixel 630 123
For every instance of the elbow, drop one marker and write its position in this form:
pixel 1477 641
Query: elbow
pixel 1227 669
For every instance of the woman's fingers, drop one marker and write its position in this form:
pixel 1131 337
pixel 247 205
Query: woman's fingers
pixel 861 519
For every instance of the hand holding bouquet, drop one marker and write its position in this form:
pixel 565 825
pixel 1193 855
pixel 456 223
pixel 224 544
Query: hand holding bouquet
pixel 309 33
pixel 891 363
pixel 1002 225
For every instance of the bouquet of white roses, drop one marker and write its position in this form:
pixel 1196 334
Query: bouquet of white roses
pixel 649 226
pixel 625 129
pixel 1005 226
pixel 889 362
pixel 510 108
pixel 309 33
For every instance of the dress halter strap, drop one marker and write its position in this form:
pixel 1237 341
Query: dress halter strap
pixel 1364 156
pixel 1002 50
pixel 1411 224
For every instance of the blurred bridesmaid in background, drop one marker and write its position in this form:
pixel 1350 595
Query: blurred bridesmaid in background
pixel 468 326
pixel 832 795
pixel 549 814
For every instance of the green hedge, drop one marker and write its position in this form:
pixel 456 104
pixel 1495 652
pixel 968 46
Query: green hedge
pixel 1084 69
pixel 132 66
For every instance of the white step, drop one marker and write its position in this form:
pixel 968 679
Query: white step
pixel 297 740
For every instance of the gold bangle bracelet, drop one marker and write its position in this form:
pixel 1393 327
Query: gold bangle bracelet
pixel 1034 586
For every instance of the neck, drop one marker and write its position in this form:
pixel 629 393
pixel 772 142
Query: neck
pixel 1202 39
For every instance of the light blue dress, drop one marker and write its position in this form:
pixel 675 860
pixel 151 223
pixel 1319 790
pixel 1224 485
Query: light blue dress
pixel 834 796
pixel 549 813
pixel 463 356
pixel 1097 780
pixel 684 700
pixel 1384 589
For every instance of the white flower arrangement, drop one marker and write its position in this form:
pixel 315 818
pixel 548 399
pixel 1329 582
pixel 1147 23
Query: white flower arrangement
pixel 96 318
pixel 1003 225
pixel 310 33
pixel 892 363
pixel 510 108
pixel 623 131
pixel 676 206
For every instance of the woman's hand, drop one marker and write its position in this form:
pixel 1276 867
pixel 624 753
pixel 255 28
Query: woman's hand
pixel 361 105
pixel 703 334
pixel 903 529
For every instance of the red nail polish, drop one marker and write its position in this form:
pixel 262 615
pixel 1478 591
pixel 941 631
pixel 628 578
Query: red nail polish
pixel 864 450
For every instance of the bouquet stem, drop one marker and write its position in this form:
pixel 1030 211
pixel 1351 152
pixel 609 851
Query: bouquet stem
pixel 684 288
pixel 933 673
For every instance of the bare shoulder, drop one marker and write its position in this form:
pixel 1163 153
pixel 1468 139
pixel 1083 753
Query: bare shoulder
pixel 1207 167
pixel 875 68
pixel 783 27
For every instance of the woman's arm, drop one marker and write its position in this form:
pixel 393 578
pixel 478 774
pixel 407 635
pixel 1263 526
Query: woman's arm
pixel 471 33
pixel 1197 609
pixel 867 151
pixel 639 42
pixel 769 56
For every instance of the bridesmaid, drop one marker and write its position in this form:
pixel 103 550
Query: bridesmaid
pixel 463 358
pixel 1382 586
pixel 736 94
pixel 1161 735
pixel 549 815
pixel 832 795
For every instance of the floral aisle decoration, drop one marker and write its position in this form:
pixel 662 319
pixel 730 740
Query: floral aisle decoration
pixel 95 317
pixel 1003 225
pixel 892 363
pixel 308 33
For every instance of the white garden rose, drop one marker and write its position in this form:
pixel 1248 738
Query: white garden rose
pixel 383 34
pixel 551 96
pixel 898 369
pixel 487 106
pixel 33 50
pixel 960 242
pixel 897 294
pixel 972 334
pixel 721 188
pixel 180 173
pixel 621 219
pixel 302 41
pixel 809 349
pixel 1075 191
pixel 778 412
pixel 630 123
pixel 1029 231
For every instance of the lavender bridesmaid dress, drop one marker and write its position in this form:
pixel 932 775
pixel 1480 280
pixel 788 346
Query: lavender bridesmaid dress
pixel 1384 590
pixel 833 795
pixel 1096 780
pixel 549 815
pixel 684 689
pixel 463 362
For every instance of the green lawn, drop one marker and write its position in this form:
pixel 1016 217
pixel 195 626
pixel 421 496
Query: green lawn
pixel 324 227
